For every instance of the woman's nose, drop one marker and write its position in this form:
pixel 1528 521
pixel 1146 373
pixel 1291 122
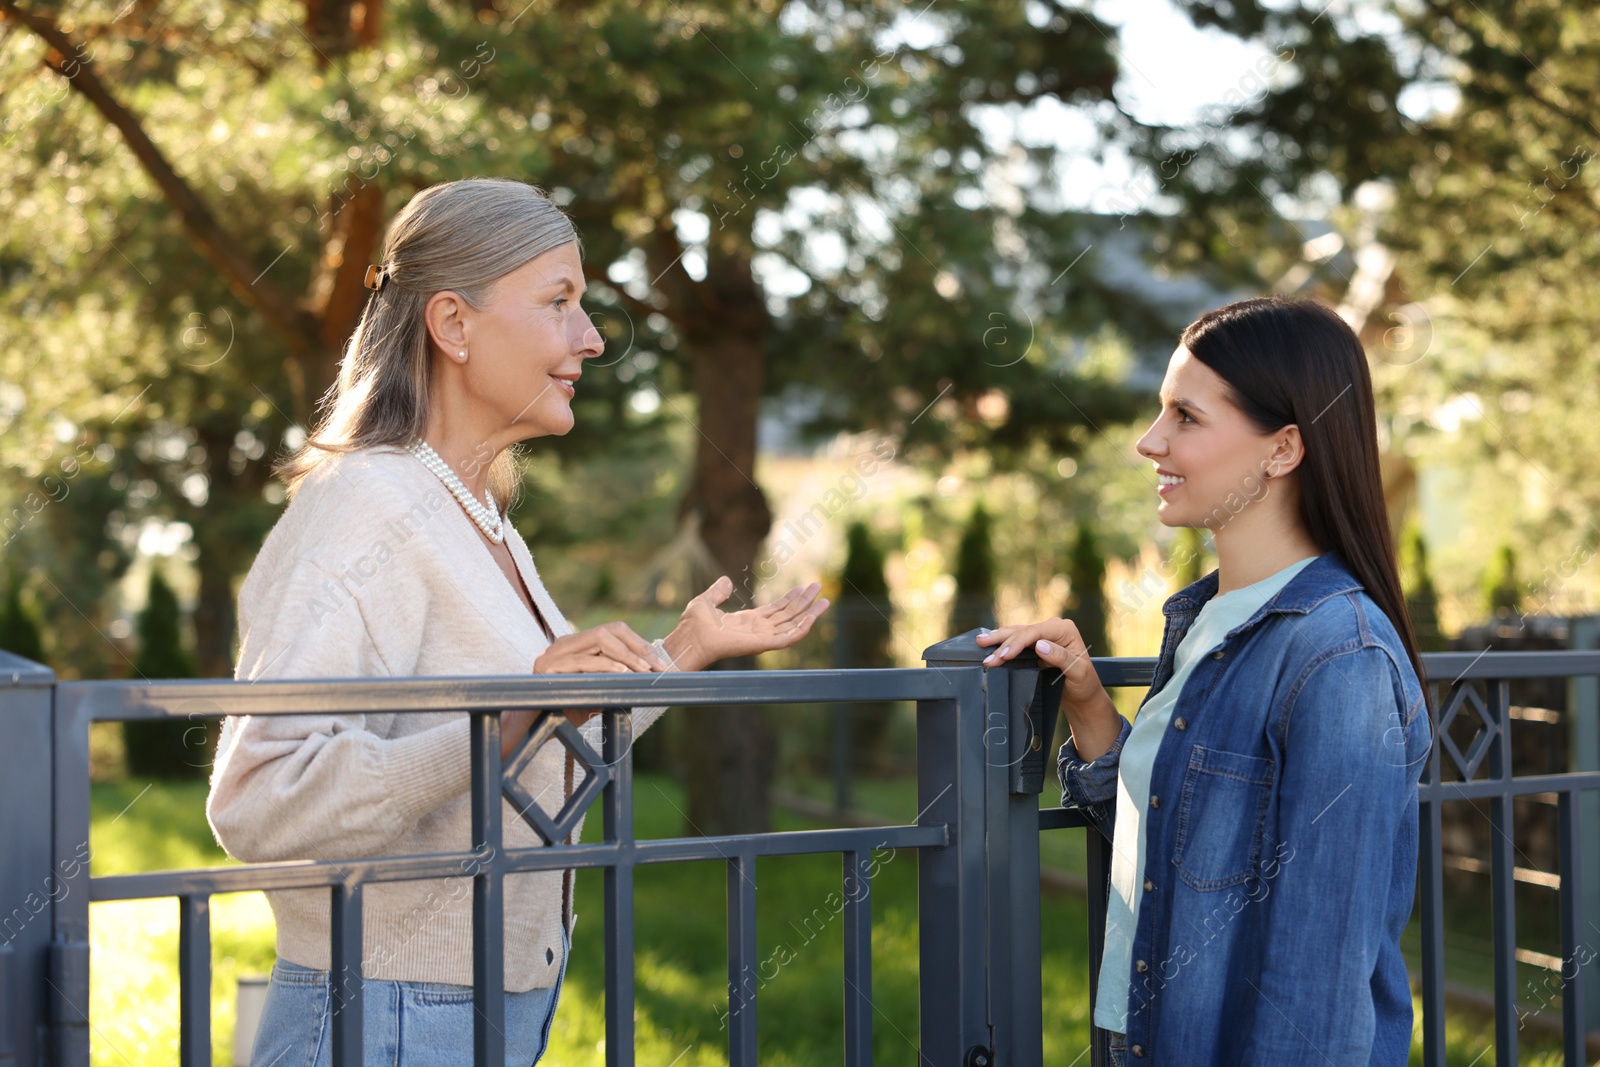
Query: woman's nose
pixel 1152 444
pixel 592 342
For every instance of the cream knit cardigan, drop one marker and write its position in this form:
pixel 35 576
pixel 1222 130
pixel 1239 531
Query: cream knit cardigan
pixel 374 570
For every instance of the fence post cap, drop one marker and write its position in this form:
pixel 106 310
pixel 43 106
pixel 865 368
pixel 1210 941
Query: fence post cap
pixel 963 650
pixel 19 671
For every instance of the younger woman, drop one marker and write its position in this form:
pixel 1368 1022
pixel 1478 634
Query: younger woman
pixel 1262 807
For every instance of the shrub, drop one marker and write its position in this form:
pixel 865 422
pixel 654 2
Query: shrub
pixel 165 748
pixel 974 600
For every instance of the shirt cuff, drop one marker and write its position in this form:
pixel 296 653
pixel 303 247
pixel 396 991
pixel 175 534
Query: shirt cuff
pixel 1086 782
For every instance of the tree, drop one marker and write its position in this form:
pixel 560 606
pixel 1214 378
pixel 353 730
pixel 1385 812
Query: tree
pixel 1495 225
pixel 809 204
pixel 1329 108
pixel 160 748
pixel 208 350
pixel 1086 598
pixel 1502 593
pixel 19 629
pixel 1422 599
pixel 973 603
pixel 1499 222
pixel 863 625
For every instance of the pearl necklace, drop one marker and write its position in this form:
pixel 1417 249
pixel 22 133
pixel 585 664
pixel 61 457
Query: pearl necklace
pixel 488 518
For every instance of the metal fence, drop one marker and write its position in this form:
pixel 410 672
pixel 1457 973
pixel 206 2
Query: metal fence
pixel 984 753
pixel 1481 769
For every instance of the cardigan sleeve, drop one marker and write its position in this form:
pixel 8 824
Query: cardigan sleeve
pixel 644 717
pixel 324 786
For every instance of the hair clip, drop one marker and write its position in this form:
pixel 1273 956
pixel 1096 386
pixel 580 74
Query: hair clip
pixel 377 277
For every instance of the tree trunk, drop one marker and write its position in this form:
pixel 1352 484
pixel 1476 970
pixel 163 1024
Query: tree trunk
pixel 214 616
pixel 227 533
pixel 350 239
pixel 734 749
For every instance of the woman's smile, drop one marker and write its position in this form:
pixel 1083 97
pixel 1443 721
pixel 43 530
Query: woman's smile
pixel 1166 481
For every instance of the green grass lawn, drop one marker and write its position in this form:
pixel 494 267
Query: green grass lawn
pixel 680 939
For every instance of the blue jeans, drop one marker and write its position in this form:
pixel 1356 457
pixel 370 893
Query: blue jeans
pixel 425 1024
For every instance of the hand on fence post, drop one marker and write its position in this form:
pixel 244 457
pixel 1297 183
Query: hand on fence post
pixel 1090 712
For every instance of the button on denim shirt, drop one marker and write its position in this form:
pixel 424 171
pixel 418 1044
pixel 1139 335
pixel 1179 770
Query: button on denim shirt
pixel 1283 873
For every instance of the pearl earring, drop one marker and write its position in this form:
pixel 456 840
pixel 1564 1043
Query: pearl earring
pixel 461 354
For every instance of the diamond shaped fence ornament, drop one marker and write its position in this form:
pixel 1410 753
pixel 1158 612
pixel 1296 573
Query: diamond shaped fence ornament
pixel 556 829
pixel 1467 765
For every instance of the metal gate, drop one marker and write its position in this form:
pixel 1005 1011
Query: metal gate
pixel 984 753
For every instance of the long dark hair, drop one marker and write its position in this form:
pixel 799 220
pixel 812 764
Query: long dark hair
pixel 1297 361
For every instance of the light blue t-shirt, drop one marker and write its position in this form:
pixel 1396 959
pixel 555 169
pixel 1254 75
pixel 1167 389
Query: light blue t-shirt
pixel 1217 617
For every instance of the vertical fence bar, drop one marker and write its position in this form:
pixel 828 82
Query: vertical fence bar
pixel 488 901
pixel 998 1044
pixel 743 976
pixel 939 872
pixel 1098 847
pixel 618 808
pixel 1573 948
pixel 1583 754
pixel 1030 699
pixel 1431 894
pixel 950 880
pixel 9 994
pixel 28 856
pixel 194 981
pixel 1502 854
pixel 345 979
pixel 1430 846
pixel 857 961
pixel 69 946
pixel 1023 1011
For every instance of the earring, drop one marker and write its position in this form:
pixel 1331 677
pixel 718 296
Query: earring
pixel 461 354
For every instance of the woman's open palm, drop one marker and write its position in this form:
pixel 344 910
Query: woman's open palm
pixel 706 633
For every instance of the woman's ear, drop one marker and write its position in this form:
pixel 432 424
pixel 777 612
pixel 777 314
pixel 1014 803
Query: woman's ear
pixel 446 315
pixel 1287 452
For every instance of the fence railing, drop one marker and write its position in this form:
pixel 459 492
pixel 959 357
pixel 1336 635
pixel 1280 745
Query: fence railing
pixel 984 753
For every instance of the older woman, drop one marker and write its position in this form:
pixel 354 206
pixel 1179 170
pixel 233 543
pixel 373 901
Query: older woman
pixel 395 558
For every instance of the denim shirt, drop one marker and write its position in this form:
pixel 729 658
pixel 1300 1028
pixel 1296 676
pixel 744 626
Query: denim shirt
pixel 1281 856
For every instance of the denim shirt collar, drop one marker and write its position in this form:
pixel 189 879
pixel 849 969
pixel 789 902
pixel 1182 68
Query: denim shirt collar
pixel 1324 577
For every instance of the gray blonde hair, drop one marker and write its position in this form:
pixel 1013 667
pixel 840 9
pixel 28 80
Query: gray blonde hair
pixel 462 236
